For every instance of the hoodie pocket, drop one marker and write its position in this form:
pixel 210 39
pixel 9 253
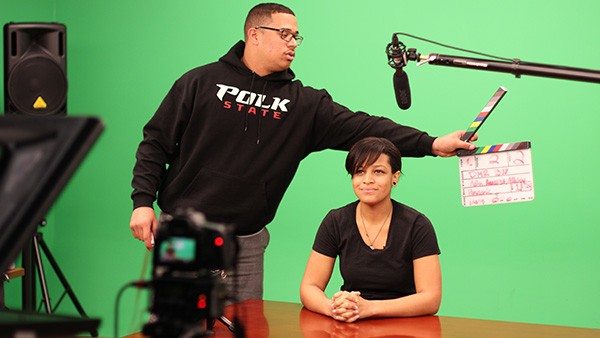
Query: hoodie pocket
pixel 226 198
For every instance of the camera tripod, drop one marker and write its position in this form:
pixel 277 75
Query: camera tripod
pixel 30 252
pixel 225 321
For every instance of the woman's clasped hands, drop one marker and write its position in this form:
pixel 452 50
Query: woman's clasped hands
pixel 348 306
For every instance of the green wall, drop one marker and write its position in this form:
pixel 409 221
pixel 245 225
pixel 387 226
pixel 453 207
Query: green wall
pixel 531 262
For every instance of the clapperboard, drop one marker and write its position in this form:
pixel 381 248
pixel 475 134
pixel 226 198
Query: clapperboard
pixel 494 174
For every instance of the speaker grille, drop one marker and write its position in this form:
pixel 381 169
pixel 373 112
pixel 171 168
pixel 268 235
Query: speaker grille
pixel 37 86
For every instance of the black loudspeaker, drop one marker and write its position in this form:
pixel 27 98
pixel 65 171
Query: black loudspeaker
pixel 35 69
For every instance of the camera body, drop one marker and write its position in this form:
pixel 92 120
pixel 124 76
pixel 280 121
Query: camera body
pixel 190 257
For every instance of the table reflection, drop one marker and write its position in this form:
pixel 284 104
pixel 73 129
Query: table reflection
pixel 314 325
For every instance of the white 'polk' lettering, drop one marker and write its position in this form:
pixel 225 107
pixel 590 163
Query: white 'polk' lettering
pixel 251 98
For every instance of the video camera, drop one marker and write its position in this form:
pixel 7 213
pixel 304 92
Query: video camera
pixel 191 256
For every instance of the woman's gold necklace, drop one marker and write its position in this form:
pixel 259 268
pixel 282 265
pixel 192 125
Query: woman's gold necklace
pixel 378 232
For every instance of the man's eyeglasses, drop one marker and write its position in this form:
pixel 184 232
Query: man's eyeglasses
pixel 286 34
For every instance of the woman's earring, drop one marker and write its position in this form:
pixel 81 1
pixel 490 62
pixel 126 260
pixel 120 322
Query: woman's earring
pixel 394 183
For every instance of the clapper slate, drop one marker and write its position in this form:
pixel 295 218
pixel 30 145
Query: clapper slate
pixel 500 173
pixel 495 174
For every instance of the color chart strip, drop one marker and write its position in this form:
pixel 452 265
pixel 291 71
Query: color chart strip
pixel 496 148
pixel 492 103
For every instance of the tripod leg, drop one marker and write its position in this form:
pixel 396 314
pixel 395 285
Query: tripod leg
pixel 227 323
pixel 2 307
pixel 63 280
pixel 41 275
pixel 28 282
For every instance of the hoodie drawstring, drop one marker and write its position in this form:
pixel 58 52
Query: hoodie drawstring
pixel 261 98
pixel 260 117
pixel 246 115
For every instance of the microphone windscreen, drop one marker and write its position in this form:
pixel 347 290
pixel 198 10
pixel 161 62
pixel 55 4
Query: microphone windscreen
pixel 401 89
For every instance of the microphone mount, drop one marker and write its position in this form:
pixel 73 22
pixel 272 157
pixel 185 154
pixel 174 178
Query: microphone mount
pixel 398 55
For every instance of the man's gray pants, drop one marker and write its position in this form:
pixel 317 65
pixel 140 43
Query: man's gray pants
pixel 247 281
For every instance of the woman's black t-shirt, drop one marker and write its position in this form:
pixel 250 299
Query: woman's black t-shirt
pixel 377 274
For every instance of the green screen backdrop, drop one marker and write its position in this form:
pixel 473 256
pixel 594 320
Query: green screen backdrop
pixel 534 262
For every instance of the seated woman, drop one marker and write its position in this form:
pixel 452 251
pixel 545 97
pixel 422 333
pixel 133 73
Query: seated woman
pixel 388 251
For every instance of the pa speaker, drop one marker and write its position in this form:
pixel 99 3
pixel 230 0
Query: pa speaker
pixel 35 63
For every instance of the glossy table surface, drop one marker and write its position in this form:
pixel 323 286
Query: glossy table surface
pixel 288 320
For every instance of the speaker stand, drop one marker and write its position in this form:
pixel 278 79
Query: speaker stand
pixel 31 251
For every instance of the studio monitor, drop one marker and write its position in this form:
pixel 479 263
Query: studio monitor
pixel 35 62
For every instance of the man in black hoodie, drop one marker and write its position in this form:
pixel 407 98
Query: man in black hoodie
pixel 229 136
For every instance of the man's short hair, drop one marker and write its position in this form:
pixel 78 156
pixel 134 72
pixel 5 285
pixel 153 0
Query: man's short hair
pixel 261 13
pixel 366 151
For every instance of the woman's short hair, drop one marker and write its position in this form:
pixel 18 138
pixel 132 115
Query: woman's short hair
pixel 366 151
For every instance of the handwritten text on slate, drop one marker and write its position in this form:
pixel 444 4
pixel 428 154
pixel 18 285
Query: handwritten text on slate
pixel 494 178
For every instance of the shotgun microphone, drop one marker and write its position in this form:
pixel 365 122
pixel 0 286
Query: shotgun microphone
pixel 401 89
pixel 396 52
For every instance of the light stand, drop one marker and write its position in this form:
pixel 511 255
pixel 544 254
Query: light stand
pixel 33 250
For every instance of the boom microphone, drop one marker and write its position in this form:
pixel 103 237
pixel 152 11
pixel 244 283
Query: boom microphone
pixel 396 52
pixel 401 89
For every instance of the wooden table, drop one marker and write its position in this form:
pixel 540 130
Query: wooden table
pixel 289 320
